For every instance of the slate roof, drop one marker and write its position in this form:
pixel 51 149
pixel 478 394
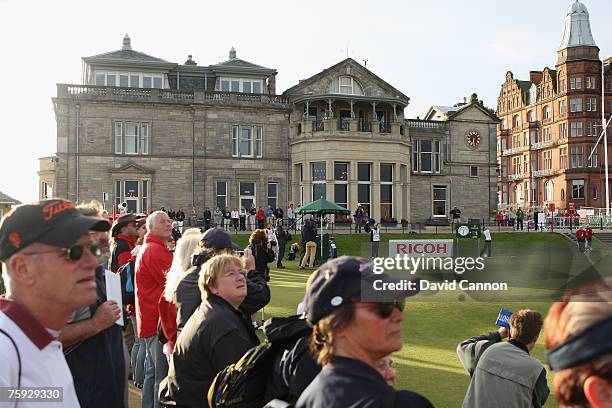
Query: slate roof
pixel 239 63
pixel 125 55
pixel 445 109
pixel 4 199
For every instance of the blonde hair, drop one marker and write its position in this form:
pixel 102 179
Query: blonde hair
pixel 576 313
pixel 181 261
pixel 91 208
pixel 214 267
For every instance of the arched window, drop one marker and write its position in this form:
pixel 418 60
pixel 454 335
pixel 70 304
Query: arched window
pixel 549 190
pixel 517 193
pixel 547 112
pixel 504 124
pixel 346 85
pixel 517 121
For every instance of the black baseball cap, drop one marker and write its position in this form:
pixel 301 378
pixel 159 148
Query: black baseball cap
pixel 54 222
pixel 123 220
pixel 218 239
pixel 349 279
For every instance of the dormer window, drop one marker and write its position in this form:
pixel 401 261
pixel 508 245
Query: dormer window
pixel 244 85
pixel 347 85
pixel 130 79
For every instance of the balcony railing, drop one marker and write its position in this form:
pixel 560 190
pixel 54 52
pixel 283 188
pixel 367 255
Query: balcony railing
pixel 343 124
pixel 547 120
pixel 543 173
pixel 364 125
pixel 385 127
pixel 426 124
pixel 542 145
pixel 317 125
pixel 93 92
pixel 512 177
pixel 532 124
pixel 504 132
pixel 514 150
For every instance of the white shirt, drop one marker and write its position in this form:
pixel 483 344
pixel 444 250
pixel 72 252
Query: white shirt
pixel 235 214
pixel 376 235
pixel 290 213
pixel 41 358
pixel 487 235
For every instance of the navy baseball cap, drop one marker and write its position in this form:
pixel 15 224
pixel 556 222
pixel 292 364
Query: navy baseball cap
pixel 218 239
pixel 350 279
pixel 54 222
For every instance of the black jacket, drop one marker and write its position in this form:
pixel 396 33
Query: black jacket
pixel 188 296
pixel 348 382
pixel 215 336
pixel 263 256
pixel 180 216
pixel 97 363
pixel 309 233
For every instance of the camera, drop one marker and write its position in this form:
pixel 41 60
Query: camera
pixel 201 258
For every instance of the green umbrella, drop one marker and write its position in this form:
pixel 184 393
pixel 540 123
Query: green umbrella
pixel 321 207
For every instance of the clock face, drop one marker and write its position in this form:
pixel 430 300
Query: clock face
pixel 463 230
pixel 472 138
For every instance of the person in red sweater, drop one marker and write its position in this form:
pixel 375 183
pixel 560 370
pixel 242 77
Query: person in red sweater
pixel 581 238
pixel 152 264
pixel 261 218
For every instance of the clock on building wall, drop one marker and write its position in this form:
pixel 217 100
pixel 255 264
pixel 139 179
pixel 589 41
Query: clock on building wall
pixel 472 138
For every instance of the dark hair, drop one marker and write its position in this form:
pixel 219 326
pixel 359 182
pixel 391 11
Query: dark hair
pixel 259 236
pixel 322 338
pixel 528 324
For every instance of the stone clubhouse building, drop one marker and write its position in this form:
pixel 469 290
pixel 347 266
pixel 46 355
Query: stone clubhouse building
pixel 150 133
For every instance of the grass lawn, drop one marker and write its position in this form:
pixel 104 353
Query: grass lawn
pixel 432 329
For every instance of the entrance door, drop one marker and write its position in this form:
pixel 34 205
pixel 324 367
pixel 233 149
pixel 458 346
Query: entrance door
pixel 247 195
pixel 132 196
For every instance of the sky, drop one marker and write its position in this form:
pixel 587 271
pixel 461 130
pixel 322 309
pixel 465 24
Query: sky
pixel 436 52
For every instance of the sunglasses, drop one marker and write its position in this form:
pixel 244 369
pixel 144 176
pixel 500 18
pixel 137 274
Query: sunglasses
pixel 384 309
pixel 74 252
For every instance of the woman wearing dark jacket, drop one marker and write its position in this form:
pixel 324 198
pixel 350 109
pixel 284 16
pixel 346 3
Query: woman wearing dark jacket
pixel 216 335
pixel 261 249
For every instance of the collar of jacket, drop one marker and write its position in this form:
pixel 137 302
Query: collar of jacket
pixel 218 300
pixel 127 238
pixel 154 239
pixel 519 345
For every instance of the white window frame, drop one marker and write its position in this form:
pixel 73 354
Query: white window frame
pixel 131 76
pixel 590 82
pixel 387 183
pixel 219 195
pixel 256 141
pixel 248 197
pixel 576 104
pixel 142 141
pixel 593 160
pixel 576 157
pixel 547 112
pixel 547 160
pixel 549 191
pixel 518 193
pixel 241 82
pixel 367 205
pixel 576 129
pixel 591 104
pixel 433 201
pixel 580 184
pixel 275 197
pixel 349 89
pixel 318 183
pixel 575 82
pixel 144 193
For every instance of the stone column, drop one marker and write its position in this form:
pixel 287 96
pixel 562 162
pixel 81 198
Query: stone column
pixel 375 191
pixel 375 127
pixel 352 187
pixel 330 124
pixel 352 125
pixel 307 126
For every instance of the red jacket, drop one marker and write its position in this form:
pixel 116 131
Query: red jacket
pixel 152 264
pixel 588 233
pixel 261 215
pixel 167 318
pixel 580 235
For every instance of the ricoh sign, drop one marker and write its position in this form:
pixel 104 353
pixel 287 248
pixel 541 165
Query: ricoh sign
pixel 421 247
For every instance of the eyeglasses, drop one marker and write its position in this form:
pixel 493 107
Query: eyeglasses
pixel 384 309
pixel 74 252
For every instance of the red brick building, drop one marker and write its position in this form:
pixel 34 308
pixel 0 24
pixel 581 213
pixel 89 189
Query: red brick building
pixel 551 122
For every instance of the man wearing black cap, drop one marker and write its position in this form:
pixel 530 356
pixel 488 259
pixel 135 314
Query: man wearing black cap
pixel 351 335
pixel 188 296
pixel 49 270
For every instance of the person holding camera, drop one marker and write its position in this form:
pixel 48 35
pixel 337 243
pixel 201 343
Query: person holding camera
pixel 503 373
pixel 261 248
pixel 187 295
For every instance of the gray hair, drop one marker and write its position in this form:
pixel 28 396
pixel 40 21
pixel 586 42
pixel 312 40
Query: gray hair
pixel 152 219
